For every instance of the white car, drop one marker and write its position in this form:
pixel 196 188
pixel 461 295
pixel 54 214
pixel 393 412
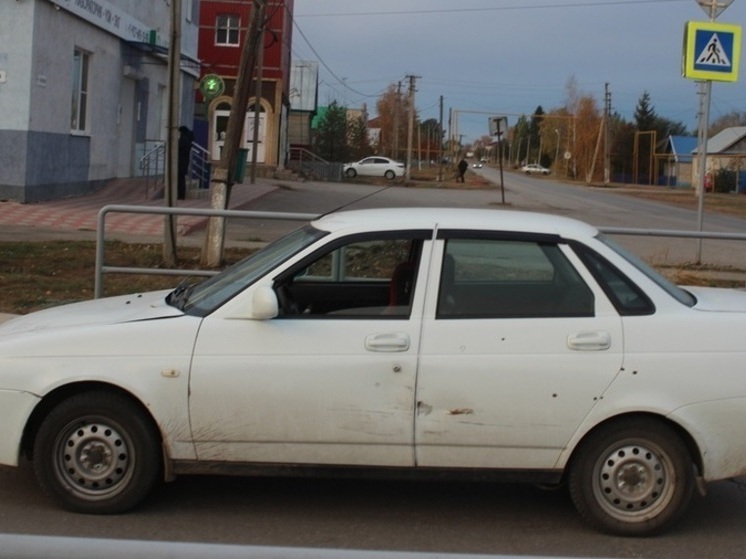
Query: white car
pixel 534 168
pixel 479 343
pixel 375 167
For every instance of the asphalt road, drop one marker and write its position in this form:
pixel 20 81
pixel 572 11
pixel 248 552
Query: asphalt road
pixel 396 516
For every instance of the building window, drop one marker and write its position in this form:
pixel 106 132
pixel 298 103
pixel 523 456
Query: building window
pixel 78 120
pixel 226 29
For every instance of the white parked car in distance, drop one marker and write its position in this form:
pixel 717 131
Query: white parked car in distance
pixel 432 342
pixel 534 169
pixel 374 167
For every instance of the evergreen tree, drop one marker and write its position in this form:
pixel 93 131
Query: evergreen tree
pixel 645 116
pixel 331 136
pixel 358 141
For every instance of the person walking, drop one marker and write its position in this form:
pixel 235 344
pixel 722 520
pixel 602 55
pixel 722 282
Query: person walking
pixel 462 167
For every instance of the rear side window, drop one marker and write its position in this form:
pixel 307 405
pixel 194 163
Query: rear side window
pixel 503 278
pixel 627 297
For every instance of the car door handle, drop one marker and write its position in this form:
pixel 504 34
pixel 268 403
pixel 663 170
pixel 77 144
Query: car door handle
pixel 589 341
pixel 391 342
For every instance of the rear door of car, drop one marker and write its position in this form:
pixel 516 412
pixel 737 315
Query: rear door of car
pixel 518 345
pixel 331 380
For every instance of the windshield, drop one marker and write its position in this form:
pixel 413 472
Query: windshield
pixel 205 297
pixel 672 289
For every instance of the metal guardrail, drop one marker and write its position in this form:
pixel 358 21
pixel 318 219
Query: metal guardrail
pixel 102 268
pixel 673 233
pixel 42 547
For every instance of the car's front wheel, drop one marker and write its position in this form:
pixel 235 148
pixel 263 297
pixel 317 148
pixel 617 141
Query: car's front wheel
pixel 97 452
pixel 350 173
pixel 632 478
pixel 390 175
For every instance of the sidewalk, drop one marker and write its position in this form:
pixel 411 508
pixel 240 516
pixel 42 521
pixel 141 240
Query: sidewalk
pixel 56 218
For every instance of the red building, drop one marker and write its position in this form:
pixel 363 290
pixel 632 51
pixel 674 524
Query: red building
pixel 223 29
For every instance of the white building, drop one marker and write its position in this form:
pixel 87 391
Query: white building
pixel 84 91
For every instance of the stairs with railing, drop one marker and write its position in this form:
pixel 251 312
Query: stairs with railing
pixel 310 166
pixel 153 168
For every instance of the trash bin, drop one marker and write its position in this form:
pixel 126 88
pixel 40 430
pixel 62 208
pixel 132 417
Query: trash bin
pixel 240 170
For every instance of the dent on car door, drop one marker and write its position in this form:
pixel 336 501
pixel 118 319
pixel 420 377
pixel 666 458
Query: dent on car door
pixel 329 381
pixel 517 352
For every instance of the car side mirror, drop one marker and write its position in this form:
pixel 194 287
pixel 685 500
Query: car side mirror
pixel 264 304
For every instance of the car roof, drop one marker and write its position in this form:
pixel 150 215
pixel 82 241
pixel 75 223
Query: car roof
pixel 386 219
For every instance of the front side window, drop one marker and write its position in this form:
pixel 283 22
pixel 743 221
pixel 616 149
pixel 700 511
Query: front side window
pixel 498 278
pixel 78 120
pixel 363 276
pixel 205 297
pixel 227 29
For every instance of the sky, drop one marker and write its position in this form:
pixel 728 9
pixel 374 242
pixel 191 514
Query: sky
pixel 508 57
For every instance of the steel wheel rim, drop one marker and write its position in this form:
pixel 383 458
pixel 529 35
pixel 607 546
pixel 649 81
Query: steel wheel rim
pixel 93 458
pixel 634 481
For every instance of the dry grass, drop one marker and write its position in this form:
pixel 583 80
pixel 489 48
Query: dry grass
pixel 36 275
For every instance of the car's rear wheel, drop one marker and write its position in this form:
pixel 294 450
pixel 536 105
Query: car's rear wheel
pixel 632 478
pixel 97 452
pixel 350 173
pixel 390 175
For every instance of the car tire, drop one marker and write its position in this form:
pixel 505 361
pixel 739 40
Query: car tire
pixel 350 173
pixel 632 478
pixel 97 452
pixel 390 175
pixel 528 172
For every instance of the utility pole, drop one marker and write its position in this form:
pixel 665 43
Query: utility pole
pixel 607 136
pixel 395 143
pixel 410 124
pixel 172 153
pixel 257 100
pixel 222 174
pixel 440 141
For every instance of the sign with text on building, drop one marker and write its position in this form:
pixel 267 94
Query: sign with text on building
pixel 711 51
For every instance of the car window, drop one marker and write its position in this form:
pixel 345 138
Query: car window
pixel 625 295
pixel 498 278
pixel 365 276
pixel 208 295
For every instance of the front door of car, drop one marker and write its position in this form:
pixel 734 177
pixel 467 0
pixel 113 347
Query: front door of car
pixel 329 381
pixel 516 352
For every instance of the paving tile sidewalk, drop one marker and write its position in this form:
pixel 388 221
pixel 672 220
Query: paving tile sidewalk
pixel 81 213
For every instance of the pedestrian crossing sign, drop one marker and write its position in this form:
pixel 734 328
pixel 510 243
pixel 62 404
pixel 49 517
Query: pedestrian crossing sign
pixel 711 51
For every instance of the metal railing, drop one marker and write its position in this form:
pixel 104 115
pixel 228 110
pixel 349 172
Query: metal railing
pixel 102 268
pixel 200 165
pixel 312 166
pixel 153 165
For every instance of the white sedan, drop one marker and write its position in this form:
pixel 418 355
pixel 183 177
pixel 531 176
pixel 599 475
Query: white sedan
pixel 428 342
pixel 534 169
pixel 375 167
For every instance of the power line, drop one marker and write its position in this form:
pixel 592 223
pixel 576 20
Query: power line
pixel 324 64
